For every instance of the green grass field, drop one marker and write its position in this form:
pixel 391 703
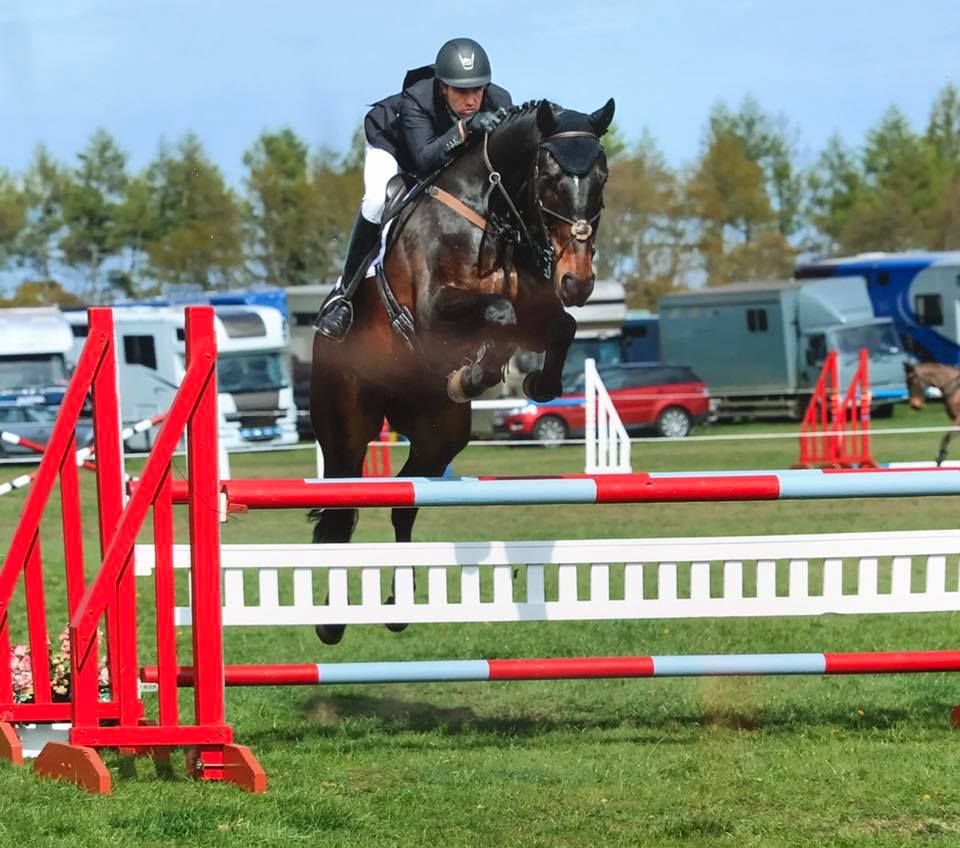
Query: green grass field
pixel 858 761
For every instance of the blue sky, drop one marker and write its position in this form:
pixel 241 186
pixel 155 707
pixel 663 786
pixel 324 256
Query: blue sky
pixel 148 69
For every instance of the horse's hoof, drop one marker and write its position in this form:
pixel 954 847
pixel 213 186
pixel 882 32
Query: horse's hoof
pixel 532 390
pixel 394 628
pixel 330 634
pixel 455 387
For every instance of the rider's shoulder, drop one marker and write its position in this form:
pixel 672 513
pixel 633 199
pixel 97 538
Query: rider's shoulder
pixel 421 92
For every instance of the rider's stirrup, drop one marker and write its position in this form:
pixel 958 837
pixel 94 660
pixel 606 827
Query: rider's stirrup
pixel 335 318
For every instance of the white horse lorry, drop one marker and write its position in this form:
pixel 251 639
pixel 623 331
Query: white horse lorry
pixel 34 345
pixel 255 399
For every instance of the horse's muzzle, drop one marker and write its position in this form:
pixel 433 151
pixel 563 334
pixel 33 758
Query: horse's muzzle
pixel 574 291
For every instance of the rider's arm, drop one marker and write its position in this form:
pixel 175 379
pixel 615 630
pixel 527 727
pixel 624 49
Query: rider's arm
pixel 427 150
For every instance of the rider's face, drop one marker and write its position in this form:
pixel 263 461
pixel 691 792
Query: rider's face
pixel 463 101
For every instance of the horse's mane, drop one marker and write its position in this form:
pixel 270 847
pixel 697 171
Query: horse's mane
pixel 524 108
pixel 516 113
pixel 566 119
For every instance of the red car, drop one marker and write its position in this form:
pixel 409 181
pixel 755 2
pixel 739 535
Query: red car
pixel 668 399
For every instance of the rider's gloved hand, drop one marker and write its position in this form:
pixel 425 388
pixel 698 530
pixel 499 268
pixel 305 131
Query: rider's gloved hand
pixel 484 122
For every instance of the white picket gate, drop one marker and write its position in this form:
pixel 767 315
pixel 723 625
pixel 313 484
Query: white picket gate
pixel 722 577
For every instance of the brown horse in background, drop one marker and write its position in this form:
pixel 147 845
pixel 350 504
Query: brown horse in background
pixel 946 378
pixel 481 263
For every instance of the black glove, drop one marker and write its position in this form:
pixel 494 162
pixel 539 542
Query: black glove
pixel 484 121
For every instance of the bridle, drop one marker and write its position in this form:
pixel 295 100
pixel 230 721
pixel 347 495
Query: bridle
pixel 581 229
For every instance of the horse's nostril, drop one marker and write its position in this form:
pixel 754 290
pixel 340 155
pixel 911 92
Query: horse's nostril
pixel 574 290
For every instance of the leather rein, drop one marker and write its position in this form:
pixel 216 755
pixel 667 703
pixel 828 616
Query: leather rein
pixel 581 229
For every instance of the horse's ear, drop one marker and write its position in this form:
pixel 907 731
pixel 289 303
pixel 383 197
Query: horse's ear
pixel 908 368
pixel 546 118
pixel 600 120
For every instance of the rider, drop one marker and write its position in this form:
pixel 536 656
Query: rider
pixel 416 131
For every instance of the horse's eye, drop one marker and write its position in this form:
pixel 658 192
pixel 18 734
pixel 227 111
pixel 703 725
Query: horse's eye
pixel 593 250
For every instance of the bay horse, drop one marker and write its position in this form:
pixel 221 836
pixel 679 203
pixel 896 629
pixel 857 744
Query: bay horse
pixel 481 263
pixel 946 378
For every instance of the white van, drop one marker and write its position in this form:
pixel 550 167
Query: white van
pixel 34 344
pixel 255 397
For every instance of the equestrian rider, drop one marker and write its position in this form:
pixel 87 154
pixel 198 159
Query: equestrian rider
pixel 416 131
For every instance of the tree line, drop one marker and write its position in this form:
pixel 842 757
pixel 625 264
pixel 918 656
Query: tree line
pixel 745 209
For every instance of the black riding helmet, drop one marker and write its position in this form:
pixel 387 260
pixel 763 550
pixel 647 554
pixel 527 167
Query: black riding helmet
pixel 462 63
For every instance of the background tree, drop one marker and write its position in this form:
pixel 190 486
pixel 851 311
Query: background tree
pixel 283 201
pixel 744 194
pixel 92 203
pixel 43 188
pixel 943 142
pixel 42 293
pixel 727 198
pixel 336 187
pixel 196 223
pixel 767 140
pixel 898 187
pixel 642 234
pixel 12 216
pixel 136 226
pixel 835 184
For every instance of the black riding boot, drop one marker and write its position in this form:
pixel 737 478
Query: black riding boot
pixel 336 315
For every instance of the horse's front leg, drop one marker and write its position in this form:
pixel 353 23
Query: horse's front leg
pixel 547 383
pixel 493 318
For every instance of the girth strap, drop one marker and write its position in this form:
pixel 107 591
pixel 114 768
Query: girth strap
pixel 457 206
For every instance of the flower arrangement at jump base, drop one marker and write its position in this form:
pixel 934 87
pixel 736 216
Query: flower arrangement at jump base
pixel 21 666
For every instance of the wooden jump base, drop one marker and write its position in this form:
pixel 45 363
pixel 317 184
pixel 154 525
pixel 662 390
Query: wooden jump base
pixel 462 582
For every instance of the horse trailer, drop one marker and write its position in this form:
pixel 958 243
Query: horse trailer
pixel 760 346
pixel 918 291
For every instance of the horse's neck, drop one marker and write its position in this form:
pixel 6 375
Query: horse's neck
pixel 513 148
pixel 941 376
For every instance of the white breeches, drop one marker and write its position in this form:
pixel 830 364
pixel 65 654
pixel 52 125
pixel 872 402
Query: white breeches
pixel 378 167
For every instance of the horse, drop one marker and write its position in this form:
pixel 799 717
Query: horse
pixel 946 378
pixel 481 262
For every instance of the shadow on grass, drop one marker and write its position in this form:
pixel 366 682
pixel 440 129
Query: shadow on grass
pixel 358 716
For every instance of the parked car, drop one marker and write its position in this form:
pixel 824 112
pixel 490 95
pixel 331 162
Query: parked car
pixel 34 422
pixel 668 399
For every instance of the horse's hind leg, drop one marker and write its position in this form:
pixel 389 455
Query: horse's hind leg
pixel 435 439
pixel 344 423
pixel 944 445
pixel 492 316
